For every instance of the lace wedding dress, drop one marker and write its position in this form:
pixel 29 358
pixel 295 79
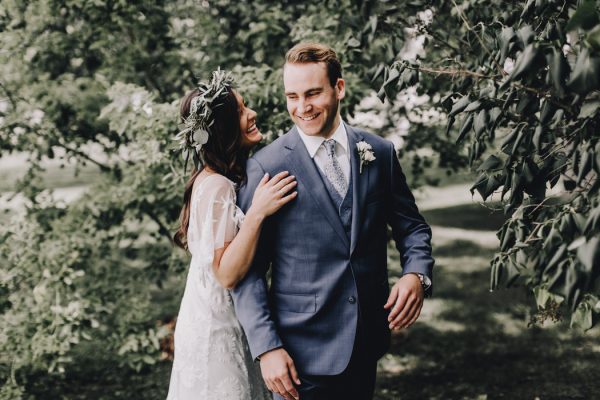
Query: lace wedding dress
pixel 212 358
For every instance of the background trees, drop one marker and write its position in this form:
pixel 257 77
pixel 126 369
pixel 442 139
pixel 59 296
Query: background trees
pixel 522 90
pixel 97 84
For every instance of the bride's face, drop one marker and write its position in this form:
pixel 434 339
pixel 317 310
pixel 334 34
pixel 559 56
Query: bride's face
pixel 250 133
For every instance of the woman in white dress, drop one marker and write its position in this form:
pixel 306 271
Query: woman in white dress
pixel 212 358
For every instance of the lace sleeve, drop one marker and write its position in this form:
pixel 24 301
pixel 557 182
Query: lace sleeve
pixel 214 213
pixel 224 216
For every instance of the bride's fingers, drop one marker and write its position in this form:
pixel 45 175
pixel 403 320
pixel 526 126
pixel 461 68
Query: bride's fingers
pixel 286 199
pixel 275 179
pixel 283 182
pixel 264 179
pixel 285 189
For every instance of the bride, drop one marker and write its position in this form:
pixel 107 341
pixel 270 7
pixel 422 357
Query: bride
pixel 212 358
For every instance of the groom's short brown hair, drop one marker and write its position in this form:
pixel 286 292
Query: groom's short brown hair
pixel 315 53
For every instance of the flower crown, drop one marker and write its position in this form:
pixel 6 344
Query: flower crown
pixel 196 127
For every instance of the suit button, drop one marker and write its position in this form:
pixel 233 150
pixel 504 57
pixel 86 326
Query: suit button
pixel 351 299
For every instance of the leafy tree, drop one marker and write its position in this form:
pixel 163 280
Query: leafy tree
pixel 98 83
pixel 519 83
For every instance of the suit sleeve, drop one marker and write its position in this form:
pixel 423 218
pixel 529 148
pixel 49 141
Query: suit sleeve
pixel 411 233
pixel 250 295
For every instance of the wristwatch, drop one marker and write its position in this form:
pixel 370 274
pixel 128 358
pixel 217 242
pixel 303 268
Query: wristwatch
pixel 425 281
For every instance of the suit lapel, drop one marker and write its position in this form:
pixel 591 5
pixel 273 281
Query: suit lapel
pixel 306 172
pixel 359 185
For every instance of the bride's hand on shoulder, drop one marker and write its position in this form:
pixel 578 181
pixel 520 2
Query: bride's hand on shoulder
pixel 272 194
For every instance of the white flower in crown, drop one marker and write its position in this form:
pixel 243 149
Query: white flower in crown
pixel 365 153
pixel 195 130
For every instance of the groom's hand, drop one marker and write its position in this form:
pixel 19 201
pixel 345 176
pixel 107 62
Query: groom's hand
pixel 405 301
pixel 278 371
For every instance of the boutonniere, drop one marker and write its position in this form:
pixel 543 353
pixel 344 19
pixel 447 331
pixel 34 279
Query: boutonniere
pixel 365 153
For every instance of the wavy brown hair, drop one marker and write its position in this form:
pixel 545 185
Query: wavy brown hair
pixel 223 153
pixel 304 53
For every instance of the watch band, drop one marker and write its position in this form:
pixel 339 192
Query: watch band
pixel 425 281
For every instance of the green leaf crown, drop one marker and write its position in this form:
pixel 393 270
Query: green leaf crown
pixel 196 127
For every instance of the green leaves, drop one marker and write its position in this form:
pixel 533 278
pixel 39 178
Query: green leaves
pixel 490 164
pixel 586 74
pixel 545 114
pixel 592 223
pixel 543 296
pixel 582 317
pixel 480 123
pixel 585 17
pixel 589 109
pixel 589 255
pixel 526 35
pixel 486 185
pixel 559 71
pixel 506 37
pixel 592 38
pixel 524 62
pixel 459 106
pixel 466 127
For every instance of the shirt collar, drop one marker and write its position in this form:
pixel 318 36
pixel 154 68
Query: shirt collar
pixel 313 143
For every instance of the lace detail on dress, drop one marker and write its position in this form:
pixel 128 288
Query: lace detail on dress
pixel 212 358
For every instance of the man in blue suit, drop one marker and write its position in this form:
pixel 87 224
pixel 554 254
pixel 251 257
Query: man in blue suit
pixel 325 319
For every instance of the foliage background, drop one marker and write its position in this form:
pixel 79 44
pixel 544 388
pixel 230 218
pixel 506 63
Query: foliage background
pixel 95 85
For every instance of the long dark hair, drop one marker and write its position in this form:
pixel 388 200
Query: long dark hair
pixel 223 153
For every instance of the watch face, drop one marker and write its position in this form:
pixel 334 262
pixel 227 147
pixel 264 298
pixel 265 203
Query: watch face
pixel 425 281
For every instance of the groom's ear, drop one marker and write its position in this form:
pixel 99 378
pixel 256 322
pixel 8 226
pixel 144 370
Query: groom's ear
pixel 340 88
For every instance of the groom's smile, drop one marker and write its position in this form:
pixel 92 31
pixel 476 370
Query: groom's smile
pixel 310 118
pixel 312 101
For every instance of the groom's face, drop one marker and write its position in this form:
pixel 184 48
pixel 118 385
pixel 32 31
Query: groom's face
pixel 312 102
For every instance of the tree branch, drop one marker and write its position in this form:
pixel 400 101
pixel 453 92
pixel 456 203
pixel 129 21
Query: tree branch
pixel 79 153
pixel 9 95
pixel 496 78
pixel 162 229
pixel 479 38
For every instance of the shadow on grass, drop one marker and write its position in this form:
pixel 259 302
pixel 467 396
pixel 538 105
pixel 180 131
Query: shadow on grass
pixel 461 248
pixel 96 376
pixel 468 344
pixel 488 352
pixel 472 216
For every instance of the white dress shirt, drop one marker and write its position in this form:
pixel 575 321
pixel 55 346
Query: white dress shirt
pixel 316 150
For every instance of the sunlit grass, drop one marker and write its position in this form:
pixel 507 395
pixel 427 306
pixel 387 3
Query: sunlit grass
pixel 470 343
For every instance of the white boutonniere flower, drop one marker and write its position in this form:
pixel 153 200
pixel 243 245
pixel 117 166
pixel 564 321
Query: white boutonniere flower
pixel 365 153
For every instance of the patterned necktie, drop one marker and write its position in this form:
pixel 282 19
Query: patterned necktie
pixel 333 171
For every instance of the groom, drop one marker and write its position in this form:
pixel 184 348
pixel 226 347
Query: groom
pixel 325 319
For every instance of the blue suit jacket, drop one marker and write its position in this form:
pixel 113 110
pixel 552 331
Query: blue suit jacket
pixel 323 284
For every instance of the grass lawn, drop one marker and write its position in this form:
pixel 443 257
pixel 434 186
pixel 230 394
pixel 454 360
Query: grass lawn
pixel 468 344
pixel 438 176
pixel 471 216
pixel 473 344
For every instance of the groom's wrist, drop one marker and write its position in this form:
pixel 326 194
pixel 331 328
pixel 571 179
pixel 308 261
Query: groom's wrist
pixel 424 279
pixel 268 351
